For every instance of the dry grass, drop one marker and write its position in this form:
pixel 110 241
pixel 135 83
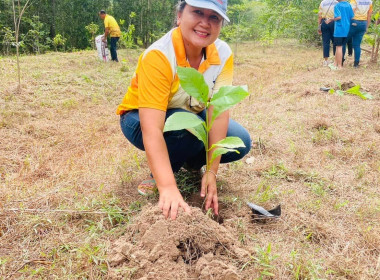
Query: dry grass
pixel 315 153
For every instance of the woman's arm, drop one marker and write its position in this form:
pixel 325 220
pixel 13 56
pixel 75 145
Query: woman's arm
pixel 152 124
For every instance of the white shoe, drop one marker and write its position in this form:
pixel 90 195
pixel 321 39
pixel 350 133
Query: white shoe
pixel 325 63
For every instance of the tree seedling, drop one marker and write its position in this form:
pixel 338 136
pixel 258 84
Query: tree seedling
pixel 194 84
pixel 355 90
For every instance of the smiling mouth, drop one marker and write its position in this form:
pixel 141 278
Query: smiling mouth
pixel 201 34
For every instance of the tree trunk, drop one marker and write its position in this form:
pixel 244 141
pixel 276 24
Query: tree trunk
pixel 17 22
pixel 52 25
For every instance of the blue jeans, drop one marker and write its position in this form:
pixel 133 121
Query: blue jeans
pixel 113 48
pixel 183 147
pixel 357 31
pixel 327 36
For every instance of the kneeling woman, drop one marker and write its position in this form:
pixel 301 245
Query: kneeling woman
pixel 155 93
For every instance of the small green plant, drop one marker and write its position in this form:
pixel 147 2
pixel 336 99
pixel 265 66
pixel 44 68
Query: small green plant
pixel 59 41
pixel 127 37
pixel 194 84
pixel 278 171
pixel 92 29
pixel 8 39
pixel 263 261
pixel 264 193
pixel 355 90
pixel 373 37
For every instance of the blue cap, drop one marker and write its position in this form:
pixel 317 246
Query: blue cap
pixel 219 6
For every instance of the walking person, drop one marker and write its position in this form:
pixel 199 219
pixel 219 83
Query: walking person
pixel 326 27
pixel 359 26
pixel 343 14
pixel 112 29
pixel 155 93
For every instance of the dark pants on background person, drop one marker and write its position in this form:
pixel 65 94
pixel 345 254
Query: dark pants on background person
pixel 327 37
pixel 113 48
pixel 357 31
pixel 183 147
pixel 349 46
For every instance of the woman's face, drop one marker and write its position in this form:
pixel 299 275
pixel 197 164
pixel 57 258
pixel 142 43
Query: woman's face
pixel 200 27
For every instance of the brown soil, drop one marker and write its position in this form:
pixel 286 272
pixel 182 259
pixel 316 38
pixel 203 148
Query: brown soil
pixel 190 247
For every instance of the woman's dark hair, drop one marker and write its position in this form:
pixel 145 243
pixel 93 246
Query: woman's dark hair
pixel 181 6
pixel 178 9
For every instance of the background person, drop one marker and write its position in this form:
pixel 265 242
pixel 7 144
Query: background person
pixel 343 14
pixel 326 23
pixel 359 25
pixel 155 93
pixel 112 29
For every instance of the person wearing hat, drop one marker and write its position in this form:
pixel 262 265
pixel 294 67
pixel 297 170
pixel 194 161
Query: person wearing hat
pixel 155 93
pixel 112 29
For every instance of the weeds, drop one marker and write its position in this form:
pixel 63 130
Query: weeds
pixel 278 171
pixel 263 262
pixel 264 193
pixel 323 136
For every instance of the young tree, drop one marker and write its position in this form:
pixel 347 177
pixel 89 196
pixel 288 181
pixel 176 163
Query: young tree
pixel 375 42
pixel 92 29
pixel 18 11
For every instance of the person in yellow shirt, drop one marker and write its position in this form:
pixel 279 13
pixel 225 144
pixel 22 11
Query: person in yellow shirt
pixel 112 29
pixel 155 93
pixel 359 25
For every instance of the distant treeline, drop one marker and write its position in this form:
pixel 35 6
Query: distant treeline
pixel 68 25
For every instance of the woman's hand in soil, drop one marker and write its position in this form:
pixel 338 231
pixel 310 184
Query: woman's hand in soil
pixel 170 200
pixel 209 184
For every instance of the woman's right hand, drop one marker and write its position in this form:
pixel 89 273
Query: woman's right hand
pixel 170 201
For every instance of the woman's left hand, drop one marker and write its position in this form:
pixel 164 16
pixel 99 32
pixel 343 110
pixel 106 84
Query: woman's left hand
pixel 209 184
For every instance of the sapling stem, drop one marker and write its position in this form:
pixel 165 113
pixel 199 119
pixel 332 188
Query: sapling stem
pixel 206 147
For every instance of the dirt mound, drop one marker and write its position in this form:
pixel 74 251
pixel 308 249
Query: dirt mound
pixel 190 247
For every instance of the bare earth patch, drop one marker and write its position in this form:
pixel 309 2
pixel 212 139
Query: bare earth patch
pixel 190 247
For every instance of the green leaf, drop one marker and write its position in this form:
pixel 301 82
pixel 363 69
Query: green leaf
pixel 356 91
pixel 332 91
pixel 182 120
pixel 229 142
pixel 221 151
pixel 367 95
pixel 225 98
pixel 199 131
pixel 193 83
pixel 340 92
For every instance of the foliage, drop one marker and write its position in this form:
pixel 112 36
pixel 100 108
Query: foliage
pixel 92 29
pixel 374 37
pixel 8 39
pixel 58 41
pixel 36 40
pixel 292 19
pixel 194 84
pixel 127 37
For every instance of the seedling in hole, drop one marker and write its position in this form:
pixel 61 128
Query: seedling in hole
pixel 355 90
pixel 194 84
